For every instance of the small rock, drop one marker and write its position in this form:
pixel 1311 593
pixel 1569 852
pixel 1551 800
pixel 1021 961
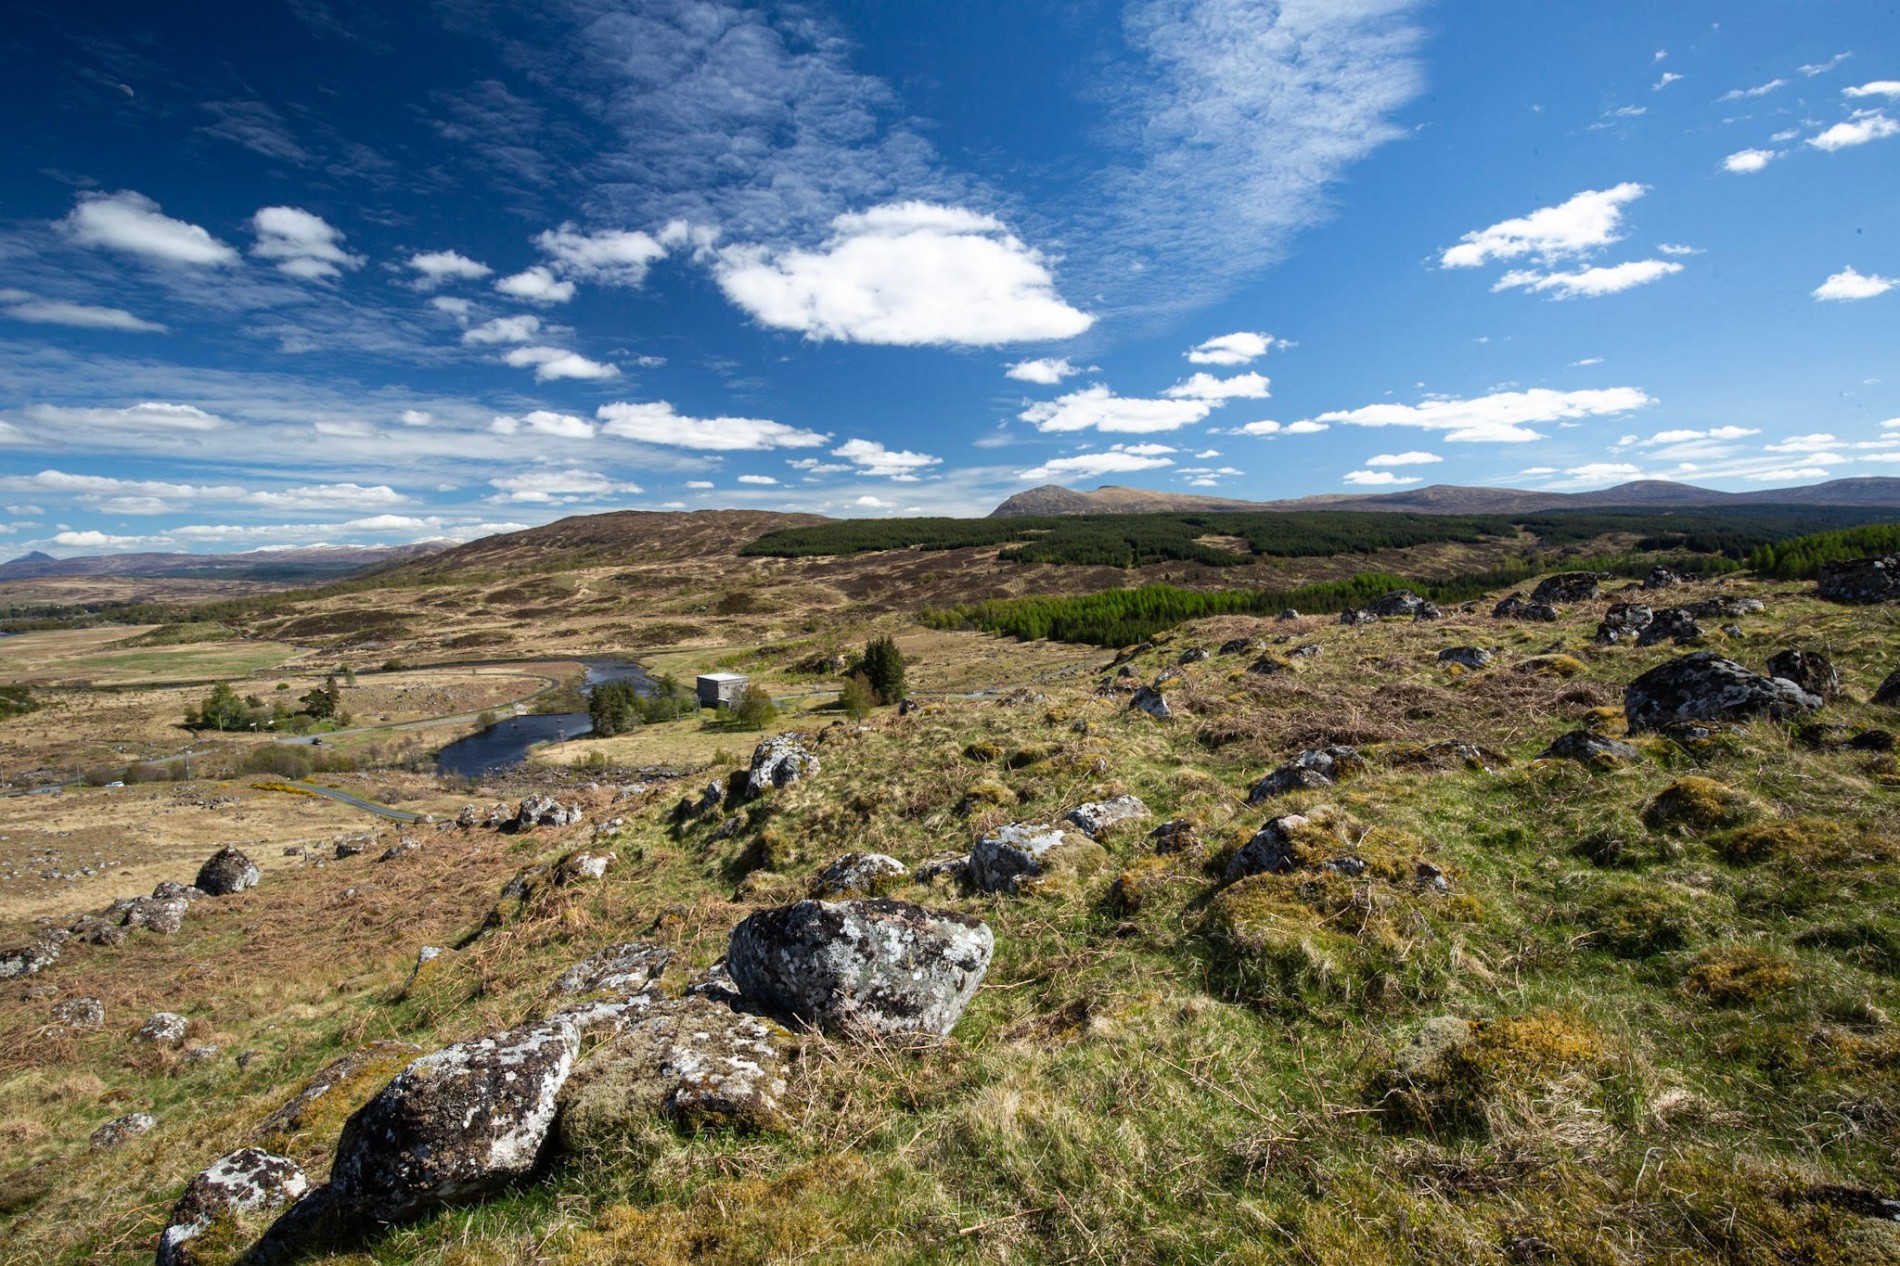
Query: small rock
pixel 80 1013
pixel 1288 614
pixel 1397 603
pixel 951 868
pixel 244 1182
pixel 155 915
pixel 1661 578
pixel 170 890
pixel 1149 700
pixel 227 871
pixel 121 1130
pixel 1355 616
pixel 166 1028
pixel 1590 749
pixel 1176 835
pixel 1238 646
pixel 1269 852
pixel 1015 856
pixel 199 1054
pixel 1574 586
pixel 1472 657
pixel 404 845
pixel 1624 621
pixel 1860 580
pixel 1810 670
pixel 1193 655
pixel 25 960
pixel 347 848
pixel 778 762
pixel 858 875
pixel 1672 624
pixel 1098 816
pixel 582 866
pixel 1514 607
pixel 543 810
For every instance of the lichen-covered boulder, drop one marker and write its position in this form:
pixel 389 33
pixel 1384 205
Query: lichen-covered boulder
pixel 884 967
pixel 1661 578
pixel 1097 816
pixel 120 1130
pixel 24 960
pixel 778 762
pixel 1590 749
pixel 1398 602
pixel 583 866
pixel 1152 701
pixel 1469 657
pixel 225 872
pixel 172 890
pixel 1624 621
pixel 460 1122
pixel 625 968
pixel 1671 624
pixel 1314 768
pixel 542 810
pixel 80 1013
pixel 166 1028
pixel 245 1182
pixel 156 914
pixel 1703 686
pixel 1810 670
pixel 858 875
pixel 1570 586
pixel 694 1061
pixel 1014 857
pixel 1861 580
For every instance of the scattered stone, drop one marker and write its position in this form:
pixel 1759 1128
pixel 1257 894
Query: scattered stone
pixel 404 845
pixel 1267 665
pixel 1710 608
pixel 858 875
pixel 952 868
pixel 1623 622
pixel 625 968
pixel 1176 835
pixel 1888 692
pixel 227 871
pixel 1125 671
pixel 1513 607
pixel 1397 603
pixel 778 762
pixel 1239 646
pixel 1151 701
pixel 199 1054
pixel 94 929
pixel 1429 611
pixel 166 1028
pixel 469 818
pixel 1810 670
pixel 583 866
pixel 171 890
pixel 1270 851
pixel 80 1013
pixel 1661 578
pixel 24 960
pixel 121 1130
pixel 882 966
pixel 1312 769
pixel 246 1181
pixel 1704 686
pixel 1288 614
pixel 1098 816
pixel 1861 580
pixel 347 848
pixel 1671 624
pixel 1014 857
pixel 1873 741
pixel 1590 749
pixel 542 810
pixel 1472 657
pixel 463 1121
pixel 1572 586
pixel 157 915
pixel 1355 616
pixel 1193 655
pixel 1308 651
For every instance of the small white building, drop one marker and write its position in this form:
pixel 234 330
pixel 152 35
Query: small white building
pixel 720 690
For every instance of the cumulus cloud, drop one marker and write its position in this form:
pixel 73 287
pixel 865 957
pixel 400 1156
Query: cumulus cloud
pixel 1100 409
pixel 1238 348
pixel 552 363
pixel 610 257
pixel 1257 429
pixel 132 223
pixel 508 329
pixel 872 458
pixel 1861 127
pixel 536 285
pixel 1583 223
pixel 544 422
pixel 873 503
pixel 1878 88
pixel 1376 478
pixel 559 487
pixel 1746 161
pixel 701 484
pixel 1412 458
pixel 1205 386
pixel 433 268
pixel 20 305
pixel 147 418
pixel 1502 417
pixel 1589 282
pixel 301 244
pixel 1119 459
pixel 762 480
pixel 1046 371
pixel 907 274
pixel 659 423
pixel 1848 285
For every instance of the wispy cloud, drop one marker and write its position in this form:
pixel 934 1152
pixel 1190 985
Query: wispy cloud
pixel 1502 417
pixel 1589 282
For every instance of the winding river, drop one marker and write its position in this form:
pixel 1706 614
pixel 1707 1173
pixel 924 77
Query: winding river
pixel 508 741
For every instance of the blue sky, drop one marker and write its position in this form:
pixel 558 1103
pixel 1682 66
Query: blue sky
pixel 313 270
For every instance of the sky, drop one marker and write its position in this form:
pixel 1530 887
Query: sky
pixel 291 272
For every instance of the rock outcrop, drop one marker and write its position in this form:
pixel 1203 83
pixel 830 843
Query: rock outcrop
pixel 227 871
pixel 543 810
pixel 778 762
pixel 1861 580
pixel 1703 686
pixel 1017 856
pixel 884 967
pixel 1810 670
pixel 1571 586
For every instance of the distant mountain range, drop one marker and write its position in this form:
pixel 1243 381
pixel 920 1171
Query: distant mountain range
pixel 314 562
pixel 1452 499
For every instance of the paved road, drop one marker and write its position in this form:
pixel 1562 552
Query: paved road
pixel 356 802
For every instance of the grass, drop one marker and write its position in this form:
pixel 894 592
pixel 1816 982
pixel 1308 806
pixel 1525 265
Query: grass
pixel 1675 1030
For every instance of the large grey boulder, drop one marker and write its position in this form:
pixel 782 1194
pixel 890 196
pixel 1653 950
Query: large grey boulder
pixel 1398 602
pixel 1097 816
pixel 1624 621
pixel 1810 670
pixel 463 1121
pixel 24 960
pixel 164 915
pixel 247 1181
pixel 1671 624
pixel 1661 578
pixel 1703 686
pixel 1013 857
pixel 1861 580
pixel 1571 586
pixel 227 871
pixel 884 967
pixel 778 762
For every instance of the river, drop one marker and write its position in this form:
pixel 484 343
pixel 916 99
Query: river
pixel 507 741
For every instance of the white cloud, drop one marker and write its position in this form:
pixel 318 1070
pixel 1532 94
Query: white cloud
pixel 559 487
pixel 812 466
pixel 302 244
pixel 701 484
pixel 1589 282
pixel 131 222
pixel 536 285
pixel 1206 453
pixel 1117 460
pixel 1412 458
pixel 1862 126
pixel 454 305
pixel 1712 433
pixel 658 423
pixel 1804 444
pixel 1303 428
pixel 1377 478
pixel 1676 248
pixel 1101 409
pixel 1602 472
pixel 416 417
pixel 95 540
pixel 873 458
pixel 1586 362
pixel 763 480
pixel 1207 387
pixel 1668 78
pixel 1745 161
pixel 1878 88
pixel 610 257
pixel 1502 417
pixel 1789 472
pixel 508 329
pixel 149 496
pixel 545 422
pixel 1046 371
pixel 1538 470
pixel 21 306
pixel 551 363
pixel 1759 90
pixel 907 274
pixel 1848 285
pixel 1626 112
pixel 1812 69
pixel 1237 348
pixel 873 503
pixel 436 267
pixel 1585 222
